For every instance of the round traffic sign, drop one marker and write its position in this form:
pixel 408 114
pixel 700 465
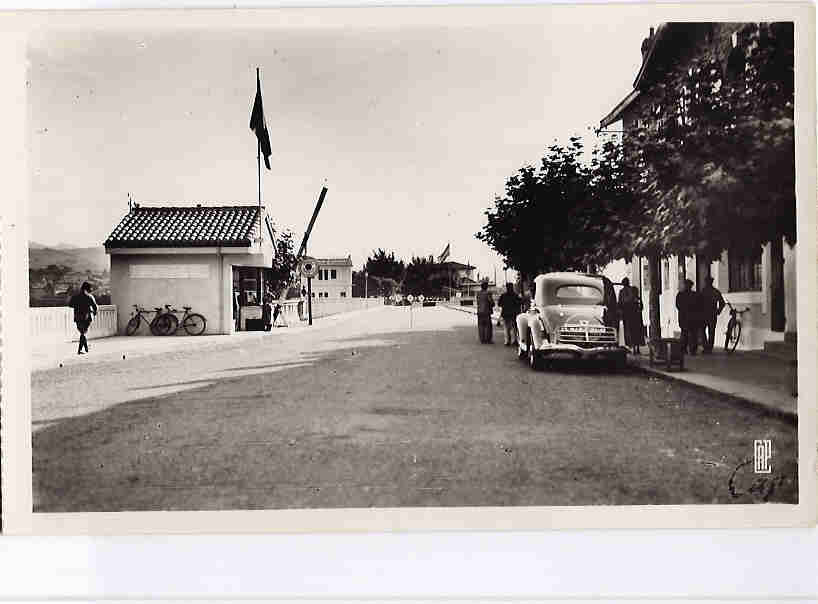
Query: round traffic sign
pixel 308 267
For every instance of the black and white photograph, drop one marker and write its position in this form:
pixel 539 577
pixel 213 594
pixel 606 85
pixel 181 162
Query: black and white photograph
pixel 553 260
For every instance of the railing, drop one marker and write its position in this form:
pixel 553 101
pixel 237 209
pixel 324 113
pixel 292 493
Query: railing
pixel 57 323
pixel 325 308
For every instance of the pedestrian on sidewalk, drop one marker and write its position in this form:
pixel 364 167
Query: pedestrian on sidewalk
pixel 630 306
pixel 85 309
pixel 485 304
pixel 267 312
pixel 713 303
pixel 687 304
pixel 510 305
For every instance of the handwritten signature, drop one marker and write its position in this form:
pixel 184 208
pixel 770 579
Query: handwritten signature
pixel 760 487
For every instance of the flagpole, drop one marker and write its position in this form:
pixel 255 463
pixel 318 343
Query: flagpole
pixel 258 161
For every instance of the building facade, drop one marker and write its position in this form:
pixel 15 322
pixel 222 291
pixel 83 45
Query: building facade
pixel 762 281
pixel 213 259
pixel 334 278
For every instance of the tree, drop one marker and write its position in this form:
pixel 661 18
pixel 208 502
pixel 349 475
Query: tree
pixel 424 276
pixel 714 157
pixel 569 214
pixel 284 262
pixel 386 266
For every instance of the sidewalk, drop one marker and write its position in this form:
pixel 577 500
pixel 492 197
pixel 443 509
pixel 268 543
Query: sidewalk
pixel 759 379
pixel 50 354
pixel 756 378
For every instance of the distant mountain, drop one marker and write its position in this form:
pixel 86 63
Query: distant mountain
pixel 33 245
pixel 79 259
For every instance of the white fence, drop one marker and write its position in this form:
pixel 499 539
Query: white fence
pixel 326 308
pixel 57 323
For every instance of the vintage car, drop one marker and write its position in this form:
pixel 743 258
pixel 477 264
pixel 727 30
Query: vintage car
pixel 572 314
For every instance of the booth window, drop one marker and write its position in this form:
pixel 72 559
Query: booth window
pixel 333 274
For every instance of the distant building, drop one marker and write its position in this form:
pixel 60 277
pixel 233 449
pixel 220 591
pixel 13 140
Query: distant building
pixel 205 257
pixel 459 277
pixel 334 278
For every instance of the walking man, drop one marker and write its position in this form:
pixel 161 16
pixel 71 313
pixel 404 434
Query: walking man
pixel 85 309
pixel 485 304
pixel 510 305
pixel 713 304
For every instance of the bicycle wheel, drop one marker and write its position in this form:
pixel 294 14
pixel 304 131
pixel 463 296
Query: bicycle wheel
pixel 165 325
pixel 736 336
pixel 132 325
pixel 728 335
pixel 194 324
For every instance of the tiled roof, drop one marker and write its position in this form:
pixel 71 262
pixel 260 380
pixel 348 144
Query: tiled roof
pixel 197 226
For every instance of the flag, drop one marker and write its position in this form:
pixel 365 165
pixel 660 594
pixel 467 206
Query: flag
pixel 444 255
pixel 259 125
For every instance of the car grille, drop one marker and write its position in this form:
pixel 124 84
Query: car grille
pixel 587 336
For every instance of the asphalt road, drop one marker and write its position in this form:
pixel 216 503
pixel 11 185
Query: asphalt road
pixel 371 411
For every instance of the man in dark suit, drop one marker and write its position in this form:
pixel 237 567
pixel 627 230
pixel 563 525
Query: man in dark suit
pixel 687 306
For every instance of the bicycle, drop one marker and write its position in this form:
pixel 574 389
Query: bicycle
pixel 733 333
pixel 193 323
pixel 160 325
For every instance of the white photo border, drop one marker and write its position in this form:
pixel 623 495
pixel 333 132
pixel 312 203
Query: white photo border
pixel 18 518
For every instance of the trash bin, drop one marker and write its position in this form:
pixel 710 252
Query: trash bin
pixel 667 351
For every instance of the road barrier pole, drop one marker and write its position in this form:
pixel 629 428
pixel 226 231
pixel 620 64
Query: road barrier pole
pixel 309 299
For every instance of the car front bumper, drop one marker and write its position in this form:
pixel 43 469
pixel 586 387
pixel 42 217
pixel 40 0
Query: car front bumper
pixel 548 349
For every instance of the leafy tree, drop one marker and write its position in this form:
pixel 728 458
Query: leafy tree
pixel 714 156
pixel 423 276
pixel 387 266
pixel 284 262
pixel 712 161
pixel 570 214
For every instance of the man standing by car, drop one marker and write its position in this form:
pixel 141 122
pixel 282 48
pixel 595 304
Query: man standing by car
pixel 510 305
pixel 712 303
pixel 485 304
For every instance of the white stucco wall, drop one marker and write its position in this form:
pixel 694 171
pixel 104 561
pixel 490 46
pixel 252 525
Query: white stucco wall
pixel 132 283
pixel 790 295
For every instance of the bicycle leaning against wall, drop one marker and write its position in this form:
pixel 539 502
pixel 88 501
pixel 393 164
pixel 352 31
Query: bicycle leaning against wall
pixel 733 333
pixel 193 323
pixel 160 325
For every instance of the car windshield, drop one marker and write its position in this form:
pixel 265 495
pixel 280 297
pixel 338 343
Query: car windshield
pixel 578 294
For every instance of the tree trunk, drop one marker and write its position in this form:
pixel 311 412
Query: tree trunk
pixel 655 330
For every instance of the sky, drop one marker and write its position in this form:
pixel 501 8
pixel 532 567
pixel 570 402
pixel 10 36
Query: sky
pixel 412 129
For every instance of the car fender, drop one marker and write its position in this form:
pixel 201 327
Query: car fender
pixel 538 330
pixel 522 328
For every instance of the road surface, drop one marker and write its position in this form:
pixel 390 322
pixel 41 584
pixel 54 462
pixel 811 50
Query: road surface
pixel 373 411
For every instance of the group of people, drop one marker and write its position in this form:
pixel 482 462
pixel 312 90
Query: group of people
pixel 698 312
pixel 510 304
